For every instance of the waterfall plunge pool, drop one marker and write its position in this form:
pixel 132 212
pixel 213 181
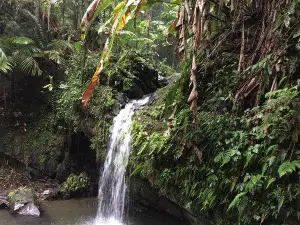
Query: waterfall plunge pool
pixel 82 212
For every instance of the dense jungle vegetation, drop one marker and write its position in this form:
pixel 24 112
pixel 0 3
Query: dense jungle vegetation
pixel 222 141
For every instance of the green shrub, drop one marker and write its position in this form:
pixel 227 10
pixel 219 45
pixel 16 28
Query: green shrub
pixel 75 183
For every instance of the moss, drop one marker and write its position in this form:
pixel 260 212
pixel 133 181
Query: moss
pixel 135 67
pixel 102 108
pixel 12 194
pixel 43 159
pixel 127 83
pixel 152 117
pixel 21 195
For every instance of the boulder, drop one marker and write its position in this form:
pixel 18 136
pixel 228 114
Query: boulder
pixel 3 201
pixel 23 201
pixel 29 209
pixel 162 81
pixel 54 194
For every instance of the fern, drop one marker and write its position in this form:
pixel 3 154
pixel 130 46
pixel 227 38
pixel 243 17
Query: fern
pixel 236 200
pixel 288 167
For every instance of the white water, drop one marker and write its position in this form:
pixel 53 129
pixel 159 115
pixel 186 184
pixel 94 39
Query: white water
pixel 112 186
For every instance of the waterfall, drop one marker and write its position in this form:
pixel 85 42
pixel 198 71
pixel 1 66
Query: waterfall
pixel 112 186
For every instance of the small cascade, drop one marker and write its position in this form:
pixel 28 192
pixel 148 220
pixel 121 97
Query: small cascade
pixel 112 186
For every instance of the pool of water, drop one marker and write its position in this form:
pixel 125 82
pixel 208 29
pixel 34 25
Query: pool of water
pixel 81 212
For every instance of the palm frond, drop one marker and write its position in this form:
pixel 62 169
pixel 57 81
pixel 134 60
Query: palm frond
pixel 40 33
pixel 21 41
pixel 5 65
pixel 29 65
pixel 21 53
pixel 61 45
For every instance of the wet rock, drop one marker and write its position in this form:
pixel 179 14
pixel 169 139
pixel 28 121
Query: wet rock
pixel 50 194
pixel 142 193
pixel 23 201
pixel 170 207
pixel 4 203
pixel 54 194
pixel 120 104
pixel 143 197
pixel 47 192
pixel 162 81
pixel 3 200
pixel 30 209
pixel 135 92
pixel 173 78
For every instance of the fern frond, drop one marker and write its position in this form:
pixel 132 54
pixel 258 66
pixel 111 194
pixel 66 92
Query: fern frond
pixel 288 167
pixel 55 56
pixel 236 200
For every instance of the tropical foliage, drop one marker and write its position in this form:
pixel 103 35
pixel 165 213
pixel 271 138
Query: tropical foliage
pixel 222 141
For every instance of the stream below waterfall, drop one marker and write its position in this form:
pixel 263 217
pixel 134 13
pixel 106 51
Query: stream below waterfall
pixel 81 212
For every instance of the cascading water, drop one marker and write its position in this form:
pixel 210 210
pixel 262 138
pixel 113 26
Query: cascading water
pixel 112 184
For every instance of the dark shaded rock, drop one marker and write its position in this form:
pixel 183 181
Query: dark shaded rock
pixel 134 74
pixel 4 203
pixel 4 200
pixel 142 193
pixel 143 196
pixel 142 86
pixel 170 207
pixel 50 194
pixel 62 169
pixel 163 81
pixel 135 92
pixel 23 201
pixel 120 104
pixel 39 150
pixel 197 219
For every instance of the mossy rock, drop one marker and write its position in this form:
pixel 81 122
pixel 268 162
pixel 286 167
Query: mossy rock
pixel 23 201
pixel 21 196
pixel 134 74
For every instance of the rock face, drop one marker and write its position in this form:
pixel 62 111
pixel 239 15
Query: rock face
pixel 142 193
pixel 143 196
pixel 23 201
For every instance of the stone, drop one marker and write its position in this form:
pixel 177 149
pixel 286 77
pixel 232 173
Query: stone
pixel 23 201
pixel 47 192
pixel 3 199
pixel 3 203
pixel 52 194
pixel 30 209
pixel 162 81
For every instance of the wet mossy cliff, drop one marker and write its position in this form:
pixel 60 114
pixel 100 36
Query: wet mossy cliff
pixel 52 135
